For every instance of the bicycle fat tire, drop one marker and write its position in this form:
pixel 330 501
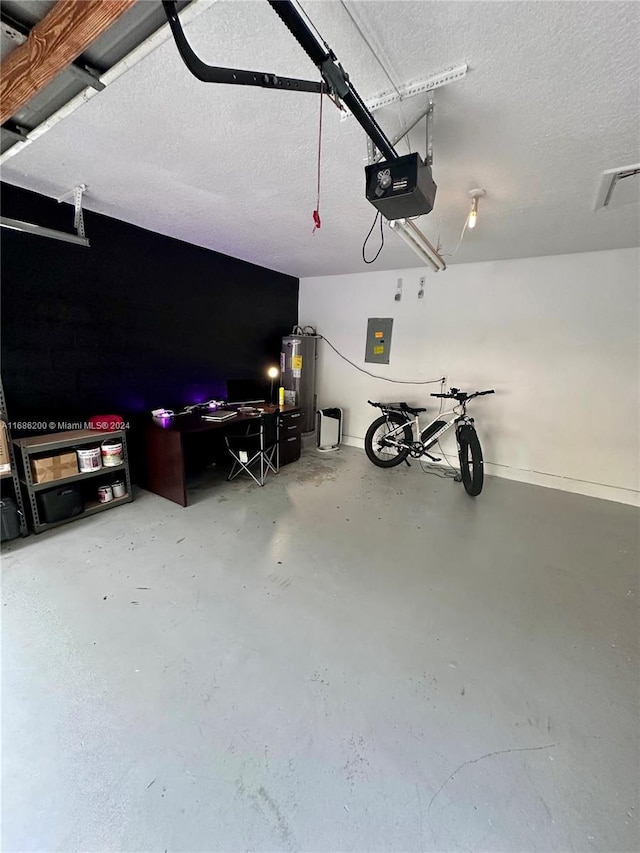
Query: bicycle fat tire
pixel 471 462
pixel 370 450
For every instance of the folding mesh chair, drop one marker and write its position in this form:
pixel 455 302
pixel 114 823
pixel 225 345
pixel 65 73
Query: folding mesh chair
pixel 256 450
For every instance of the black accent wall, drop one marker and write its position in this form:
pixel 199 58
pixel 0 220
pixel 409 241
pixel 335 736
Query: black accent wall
pixel 135 322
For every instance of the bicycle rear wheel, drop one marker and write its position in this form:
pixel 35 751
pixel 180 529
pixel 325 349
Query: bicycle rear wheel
pixel 385 455
pixel 471 462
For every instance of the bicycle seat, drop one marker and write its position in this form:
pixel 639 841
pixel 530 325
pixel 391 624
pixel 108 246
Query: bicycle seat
pixel 404 407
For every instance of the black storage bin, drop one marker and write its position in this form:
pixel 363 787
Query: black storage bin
pixel 10 524
pixel 58 504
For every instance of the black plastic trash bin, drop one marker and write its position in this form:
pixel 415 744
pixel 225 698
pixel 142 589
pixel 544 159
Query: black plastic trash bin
pixel 58 504
pixel 10 522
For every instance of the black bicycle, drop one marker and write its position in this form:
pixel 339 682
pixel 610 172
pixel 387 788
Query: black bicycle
pixel 397 434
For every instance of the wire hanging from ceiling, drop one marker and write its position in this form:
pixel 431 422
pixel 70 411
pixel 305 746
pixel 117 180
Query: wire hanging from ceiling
pixel 366 240
pixel 313 26
pixel 371 48
pixel 459 243
pixel 374 53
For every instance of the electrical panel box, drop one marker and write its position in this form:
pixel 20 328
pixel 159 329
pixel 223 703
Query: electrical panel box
pixel 378 340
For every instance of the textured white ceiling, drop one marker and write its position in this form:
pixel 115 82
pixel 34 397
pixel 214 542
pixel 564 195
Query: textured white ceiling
pixel 550 101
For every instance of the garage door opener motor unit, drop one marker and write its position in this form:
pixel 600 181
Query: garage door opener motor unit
pixel 401 188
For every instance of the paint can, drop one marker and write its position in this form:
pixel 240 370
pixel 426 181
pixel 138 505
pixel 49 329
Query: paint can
pixel 88 458
pixel 119 490
pixel 111 452
pixel 105 494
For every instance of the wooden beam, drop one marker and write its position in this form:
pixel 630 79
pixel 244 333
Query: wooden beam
pixel 53 43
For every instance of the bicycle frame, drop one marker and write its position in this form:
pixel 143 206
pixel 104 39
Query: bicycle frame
pixel 397 435
pixel 452 417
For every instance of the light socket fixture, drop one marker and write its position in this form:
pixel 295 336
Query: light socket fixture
pixel 474 195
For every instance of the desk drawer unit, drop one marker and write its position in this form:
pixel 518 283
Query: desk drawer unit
pixel 290 436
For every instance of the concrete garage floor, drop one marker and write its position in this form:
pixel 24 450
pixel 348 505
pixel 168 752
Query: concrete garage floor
pixel 348 659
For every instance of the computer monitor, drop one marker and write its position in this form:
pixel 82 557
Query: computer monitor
pixel 247 391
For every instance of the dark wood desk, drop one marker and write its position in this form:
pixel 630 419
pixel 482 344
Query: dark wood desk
pixel 165 446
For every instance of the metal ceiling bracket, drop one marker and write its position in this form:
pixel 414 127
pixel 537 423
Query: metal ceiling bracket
pixel 70 193
pixel 429 132
pixel 17 131
pixel 87 75
pixel 78 238
pixel 78 219
pixel 609 182
pixel 428 112
pixel 373 155
pixel 12 32
pixel 76 195
pixel 410 90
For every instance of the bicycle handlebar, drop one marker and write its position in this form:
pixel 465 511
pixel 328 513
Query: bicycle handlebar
pixel 456 394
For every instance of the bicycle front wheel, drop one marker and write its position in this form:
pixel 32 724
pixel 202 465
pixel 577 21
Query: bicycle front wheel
pixel 381 453
pixel 471 462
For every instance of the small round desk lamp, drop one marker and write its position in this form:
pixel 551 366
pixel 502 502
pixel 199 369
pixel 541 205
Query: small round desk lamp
pixel 272 373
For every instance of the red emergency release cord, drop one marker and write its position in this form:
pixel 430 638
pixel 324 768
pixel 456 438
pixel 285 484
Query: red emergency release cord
pixel 316 213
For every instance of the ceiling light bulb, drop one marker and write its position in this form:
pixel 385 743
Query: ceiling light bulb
pixel 474 195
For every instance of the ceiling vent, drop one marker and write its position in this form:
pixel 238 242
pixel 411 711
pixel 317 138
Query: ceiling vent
pixel 619 187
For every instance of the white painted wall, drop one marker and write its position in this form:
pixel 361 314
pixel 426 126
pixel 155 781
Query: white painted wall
pixel 557 337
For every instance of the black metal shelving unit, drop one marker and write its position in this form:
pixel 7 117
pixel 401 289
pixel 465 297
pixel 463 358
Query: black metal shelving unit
pixel 12 476
pixel 56 443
